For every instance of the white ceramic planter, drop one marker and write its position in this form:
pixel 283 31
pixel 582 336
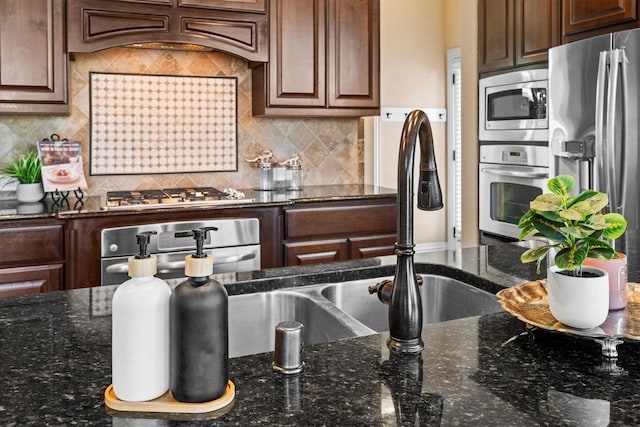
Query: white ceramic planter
pixel 579 302
pixel 30 193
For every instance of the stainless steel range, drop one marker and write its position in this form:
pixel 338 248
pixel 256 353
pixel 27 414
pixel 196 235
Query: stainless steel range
pixel 235 247
pixel 171 197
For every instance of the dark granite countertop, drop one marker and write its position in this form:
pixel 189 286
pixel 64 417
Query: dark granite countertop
pixel 55 353
pixel 93 205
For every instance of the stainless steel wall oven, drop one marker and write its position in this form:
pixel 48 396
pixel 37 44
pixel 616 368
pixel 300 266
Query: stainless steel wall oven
pixel 235 247
pixel 510 177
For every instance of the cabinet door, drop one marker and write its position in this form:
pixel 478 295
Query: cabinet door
pixel 25 245
pixel 297 60
pixel 582 19
pixel 537 29
pixel 33 61
pixel 315 252
pixel 353 53
pixel 372 246
pixel 495 35
pixel 30 280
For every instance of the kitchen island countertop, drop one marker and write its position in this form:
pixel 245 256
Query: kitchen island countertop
pixel 56 362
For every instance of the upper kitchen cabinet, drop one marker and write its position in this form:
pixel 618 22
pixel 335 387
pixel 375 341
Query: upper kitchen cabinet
pixel 238 27
pixel 514 33
pixel 324 59
pixel 33 61
pixel 583 19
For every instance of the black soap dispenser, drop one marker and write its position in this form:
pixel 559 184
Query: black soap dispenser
pixel 199 334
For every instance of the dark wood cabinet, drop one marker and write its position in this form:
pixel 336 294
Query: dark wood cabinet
pixel 32 257
pixel 537 28
pixel 325 232
pixel 583 19
pixel 324 59
pixel 236 27
pixel 33 59
pixel 495 35
pixel 513 33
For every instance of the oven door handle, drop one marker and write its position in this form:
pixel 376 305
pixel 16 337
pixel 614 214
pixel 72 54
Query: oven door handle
pixel 502 172
pixel 123 267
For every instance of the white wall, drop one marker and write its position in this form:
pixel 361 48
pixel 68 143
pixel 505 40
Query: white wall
pixel 413 74
pixel 415 35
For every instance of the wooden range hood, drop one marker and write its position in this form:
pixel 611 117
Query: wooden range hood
pixel 240 29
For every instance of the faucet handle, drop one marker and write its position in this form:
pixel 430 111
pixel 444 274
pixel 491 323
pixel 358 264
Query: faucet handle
pixel 383 289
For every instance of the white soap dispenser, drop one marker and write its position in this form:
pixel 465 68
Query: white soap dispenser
pixel 140 330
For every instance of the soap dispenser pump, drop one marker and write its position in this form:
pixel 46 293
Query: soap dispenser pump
pixel 199 329
pixel 140 330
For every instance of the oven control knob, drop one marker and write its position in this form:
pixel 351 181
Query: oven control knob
pixel 113 247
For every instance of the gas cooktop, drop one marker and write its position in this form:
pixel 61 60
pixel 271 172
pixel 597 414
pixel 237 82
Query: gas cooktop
pixel 170 197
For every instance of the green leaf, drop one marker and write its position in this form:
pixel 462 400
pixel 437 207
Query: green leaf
pixel 596 222
pixel 524 219
pixel 561 185
pixel 27 169
pixel 546 202
pixel 577 231
pixel 572 214
pixel 600 249
pixel 549 229
pixel 616 226
pixel 534 254
pixel 597 202
pixel 572 257
pixel 581 197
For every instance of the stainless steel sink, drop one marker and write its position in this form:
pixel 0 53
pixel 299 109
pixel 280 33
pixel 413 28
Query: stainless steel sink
pixel 335 311
pixel 253 319
pixel 443 298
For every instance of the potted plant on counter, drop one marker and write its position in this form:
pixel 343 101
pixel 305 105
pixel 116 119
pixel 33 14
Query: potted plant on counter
pixel 27 169
pixel 575 229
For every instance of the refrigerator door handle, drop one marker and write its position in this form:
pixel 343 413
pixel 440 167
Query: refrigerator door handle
pixel 625 134
pixel 609 158
pixel 597 180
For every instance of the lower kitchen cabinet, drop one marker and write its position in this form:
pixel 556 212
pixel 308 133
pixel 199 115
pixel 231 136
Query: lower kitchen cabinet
pixel 31 280
pixel 368 247
pixel 32 257
pixel 316 252
pixel 326 232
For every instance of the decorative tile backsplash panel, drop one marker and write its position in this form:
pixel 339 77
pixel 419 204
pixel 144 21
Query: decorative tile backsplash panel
pixel 328 147
pixel 144 123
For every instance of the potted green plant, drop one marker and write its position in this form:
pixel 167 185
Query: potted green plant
pixel 575 229
pixel 27 169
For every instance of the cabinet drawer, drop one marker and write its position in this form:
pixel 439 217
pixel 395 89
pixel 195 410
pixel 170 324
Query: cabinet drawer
pixel 315 252
pixel 372 246
pixel 31 245
pixel 350 220
pixel 30 280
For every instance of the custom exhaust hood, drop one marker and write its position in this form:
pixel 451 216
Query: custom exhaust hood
pixel 238 28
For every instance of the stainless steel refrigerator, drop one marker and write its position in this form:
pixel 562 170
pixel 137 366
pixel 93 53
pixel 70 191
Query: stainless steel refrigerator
pixel 594 90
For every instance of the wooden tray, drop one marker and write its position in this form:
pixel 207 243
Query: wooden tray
pixel 529 303
pixel 167 404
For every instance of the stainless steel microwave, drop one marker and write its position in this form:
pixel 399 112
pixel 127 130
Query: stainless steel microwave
pixel 513 106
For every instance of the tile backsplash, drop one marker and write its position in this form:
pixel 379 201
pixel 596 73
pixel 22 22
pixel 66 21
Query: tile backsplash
pixel 328 147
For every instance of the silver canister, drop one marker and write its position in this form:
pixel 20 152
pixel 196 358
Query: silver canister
pixel 265 177
pixel 289 347
pixel 295 178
